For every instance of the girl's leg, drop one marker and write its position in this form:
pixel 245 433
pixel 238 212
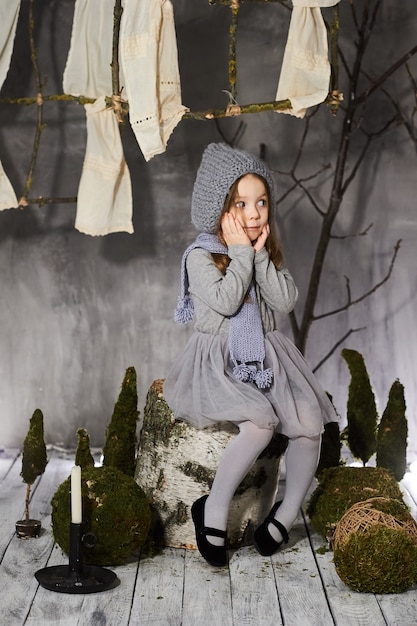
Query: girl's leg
pixel 238 457
pixel 301 461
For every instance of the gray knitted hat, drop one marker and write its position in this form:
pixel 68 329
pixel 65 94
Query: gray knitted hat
pixel 220 167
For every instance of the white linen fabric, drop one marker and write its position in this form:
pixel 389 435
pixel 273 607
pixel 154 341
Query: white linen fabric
pixel 104 202
pixel 150 80
pixel 305 71
pixel 105 191
pixel 9 13
pixel 87 71
pixel 149 61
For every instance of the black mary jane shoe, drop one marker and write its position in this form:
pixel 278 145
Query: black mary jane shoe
pixel 262 538
pixel 215 555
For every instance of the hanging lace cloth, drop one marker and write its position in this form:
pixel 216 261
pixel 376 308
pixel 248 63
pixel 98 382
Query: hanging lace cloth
pixel 9 13
pixel 149 60
pixel 104 203
pixel 305 71
pixel 104 192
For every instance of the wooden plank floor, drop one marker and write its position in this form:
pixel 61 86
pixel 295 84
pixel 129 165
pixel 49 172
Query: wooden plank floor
pixel 298 586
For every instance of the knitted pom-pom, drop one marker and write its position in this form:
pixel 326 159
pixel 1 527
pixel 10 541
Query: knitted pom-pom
pixel 244 373
pixel 185 310
pixel 263 378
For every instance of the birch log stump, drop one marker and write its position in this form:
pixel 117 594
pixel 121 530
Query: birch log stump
pixel 176 464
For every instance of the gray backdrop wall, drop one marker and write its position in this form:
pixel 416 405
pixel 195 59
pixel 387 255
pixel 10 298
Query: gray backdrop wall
pixel 76 311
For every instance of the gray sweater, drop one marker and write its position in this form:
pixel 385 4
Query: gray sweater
pixel 216 296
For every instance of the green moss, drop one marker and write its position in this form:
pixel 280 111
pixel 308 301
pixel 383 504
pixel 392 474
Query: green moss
pixel 331 447
pixel 392 433
pixel 83 456
pixel 380 560
pixel 121 440
pixel 34 458
pixel 362 415
pixel 159 426
pixel 392 507
pixel 340 487
pixel 199 473
pixel 115 510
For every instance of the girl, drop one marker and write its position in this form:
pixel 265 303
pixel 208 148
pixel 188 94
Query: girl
pixel 237 366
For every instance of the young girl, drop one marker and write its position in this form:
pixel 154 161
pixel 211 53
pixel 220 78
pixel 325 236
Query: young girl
pixel 237 366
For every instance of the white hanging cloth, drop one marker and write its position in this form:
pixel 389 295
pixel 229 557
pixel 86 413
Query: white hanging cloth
pixel 9 13
pixel 104 202
pixel 149 61
pixel 305 71
pixel 105 191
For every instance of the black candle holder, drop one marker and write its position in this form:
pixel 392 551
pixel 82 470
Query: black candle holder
pixel 77 577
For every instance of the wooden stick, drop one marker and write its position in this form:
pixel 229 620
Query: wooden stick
pixel 40 127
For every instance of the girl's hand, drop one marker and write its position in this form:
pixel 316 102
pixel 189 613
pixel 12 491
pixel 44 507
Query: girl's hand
pixel 260 242
pixel 233 232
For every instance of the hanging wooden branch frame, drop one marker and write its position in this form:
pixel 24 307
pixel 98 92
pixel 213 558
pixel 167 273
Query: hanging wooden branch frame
pixel 121 107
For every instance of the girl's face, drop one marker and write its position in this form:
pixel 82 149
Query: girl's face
pixel 250 205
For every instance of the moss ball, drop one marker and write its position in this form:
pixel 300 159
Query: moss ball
pixel 375 547
pixel 115 510
pixel 340 487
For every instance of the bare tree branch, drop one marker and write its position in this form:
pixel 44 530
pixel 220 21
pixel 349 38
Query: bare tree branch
pixel 40 127
pixel 336 345
pixel 361 234
pixel 349 301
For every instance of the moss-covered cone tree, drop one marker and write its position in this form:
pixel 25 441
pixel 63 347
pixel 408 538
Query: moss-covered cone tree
pixel 362 415
pixel 121 439
pixel 331 446
pixel 34 458
pixel 83 456
pixel 391 451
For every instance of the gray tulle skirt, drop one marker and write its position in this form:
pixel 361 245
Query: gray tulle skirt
pixel 200 388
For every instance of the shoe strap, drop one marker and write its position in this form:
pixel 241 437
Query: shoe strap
pixel 281 528
pixel 214 532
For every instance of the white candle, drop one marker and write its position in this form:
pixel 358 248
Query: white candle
pixel 76 506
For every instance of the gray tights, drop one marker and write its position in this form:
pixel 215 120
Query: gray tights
pixel 240 454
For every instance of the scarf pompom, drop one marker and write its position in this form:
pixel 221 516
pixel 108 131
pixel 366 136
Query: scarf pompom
pixel 185 310
pixel 244 373
pixel 263 378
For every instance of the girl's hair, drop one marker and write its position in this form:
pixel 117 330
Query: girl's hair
pixel 272 243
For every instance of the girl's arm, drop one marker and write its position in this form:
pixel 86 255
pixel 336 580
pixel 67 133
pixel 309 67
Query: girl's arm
pixel 277 286
pixel 222 293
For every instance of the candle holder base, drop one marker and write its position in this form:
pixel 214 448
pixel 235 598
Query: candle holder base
pixel 61 578
pixel 77 577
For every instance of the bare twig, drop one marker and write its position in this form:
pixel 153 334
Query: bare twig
pixel 369 138
pixel 211 114
pixel 116 91
pixel 40 127
pixel 350 235
pixel 60 97
pixel 351 302
pixel 336 345
pixel 234 6
pixel 303 180
pixel 285 3
pixel 41 201
pixel 389 72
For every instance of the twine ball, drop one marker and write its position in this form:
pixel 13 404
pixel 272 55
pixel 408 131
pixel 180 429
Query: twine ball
pixel 375 546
